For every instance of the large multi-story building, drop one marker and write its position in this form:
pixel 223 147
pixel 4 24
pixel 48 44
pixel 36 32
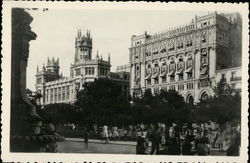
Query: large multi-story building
pixel 190 59
pixel 58 89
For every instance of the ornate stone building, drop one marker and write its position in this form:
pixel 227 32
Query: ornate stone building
pixel 190 59
pixel 58 89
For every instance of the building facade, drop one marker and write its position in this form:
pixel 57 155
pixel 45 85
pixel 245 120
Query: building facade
pixel 190 59
pixel 58 89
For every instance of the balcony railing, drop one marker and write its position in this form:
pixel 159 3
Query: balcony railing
pixel 235 78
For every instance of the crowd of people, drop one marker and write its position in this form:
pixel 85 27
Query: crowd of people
pixel 171 140
pixel 176 139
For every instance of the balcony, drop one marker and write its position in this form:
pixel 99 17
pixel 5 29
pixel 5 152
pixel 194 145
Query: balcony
pixel 235 78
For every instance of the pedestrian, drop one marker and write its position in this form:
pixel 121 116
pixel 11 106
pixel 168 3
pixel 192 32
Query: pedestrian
pixel 141 145
pixel 234 148
pixel 202 146
pixel 220 140
pixel 187 145
pixel 105 133
pixel 155 139
pixel 86 140
pixel 115 133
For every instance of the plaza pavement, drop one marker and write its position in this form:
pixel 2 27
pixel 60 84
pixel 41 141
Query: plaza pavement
pixel 133 143
pixel 76 145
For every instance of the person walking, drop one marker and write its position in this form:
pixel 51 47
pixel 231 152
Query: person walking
pixel 234 148
pixel 203 147
pixel 86 140
pixel 155 139
pixel 105 133
pixel 115 133
pixel 141 145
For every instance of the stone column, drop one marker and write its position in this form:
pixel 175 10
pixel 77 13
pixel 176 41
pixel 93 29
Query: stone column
pixel 25 127
pixel 23 113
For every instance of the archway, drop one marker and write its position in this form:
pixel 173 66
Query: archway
pixel 190 99
pixel 204 96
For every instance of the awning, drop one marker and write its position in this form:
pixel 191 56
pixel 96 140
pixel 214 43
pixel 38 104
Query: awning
pixel 163 74
pixel 180 71
pixel 171 73
pixel 148 77
pixel 188 70
pixel 204 70
pixel 155 75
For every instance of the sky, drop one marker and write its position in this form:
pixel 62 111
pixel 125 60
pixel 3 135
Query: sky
pixel 111 31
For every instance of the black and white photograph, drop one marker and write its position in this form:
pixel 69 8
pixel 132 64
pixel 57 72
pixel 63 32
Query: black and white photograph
pixel 95 79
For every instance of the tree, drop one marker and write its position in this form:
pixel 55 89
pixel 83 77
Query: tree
pixel 167 107
pixel 60 113
pixel 101 102
pixel 223 107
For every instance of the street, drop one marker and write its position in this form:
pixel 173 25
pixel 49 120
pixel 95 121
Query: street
pixel 70 146
pixel 78 147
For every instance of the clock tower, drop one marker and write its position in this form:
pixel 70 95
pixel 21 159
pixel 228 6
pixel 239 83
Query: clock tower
pixel 83 47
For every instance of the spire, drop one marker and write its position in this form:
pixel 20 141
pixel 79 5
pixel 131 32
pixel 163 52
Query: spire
pixel 44 67
pixel 97 55
pixel 88 33
pixel 48 61
pixel 57 61
pixel 53 60
pixel 79 34
pixel 109 57
pixel 37 68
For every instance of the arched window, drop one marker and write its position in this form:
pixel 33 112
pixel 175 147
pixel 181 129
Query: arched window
pixel 204 57
pixel 204 96
pixel 148 70
pixel 190 99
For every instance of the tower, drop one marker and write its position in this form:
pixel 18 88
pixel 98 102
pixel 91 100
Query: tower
pixel 53 66
pixel 83 47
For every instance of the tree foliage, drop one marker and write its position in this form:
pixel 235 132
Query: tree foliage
pixel 102 102
pixel 59 113
pixel 224 107
pixel 167 107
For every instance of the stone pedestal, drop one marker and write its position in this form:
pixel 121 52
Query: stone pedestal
pixel 25 127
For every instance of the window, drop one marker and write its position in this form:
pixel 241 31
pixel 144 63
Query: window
pixel 55 94
pixel 92 70
pixel 164 79
pixel 180 87
pixel 203 39
pixel 172 87
pixel 157 80
pixel 233 86
pixel 223 77
pixel 47 95
pixel 172 78
pixel 51 95
pixel 39 80
pixel 63 93
pixel 59 94
pixel 190 75
pixel 180 76
pixel 67 92
pixel 78 71
pixel 233 75
pixel 149 82
pixel 156 90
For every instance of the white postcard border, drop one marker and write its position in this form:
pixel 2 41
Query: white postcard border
pixel 242 8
